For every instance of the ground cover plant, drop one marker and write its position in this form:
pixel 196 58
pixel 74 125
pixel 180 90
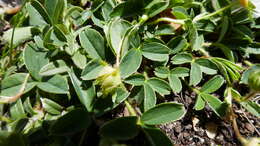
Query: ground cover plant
pixel 113 72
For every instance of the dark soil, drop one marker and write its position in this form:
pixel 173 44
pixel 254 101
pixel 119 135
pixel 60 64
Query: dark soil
pixel 183 132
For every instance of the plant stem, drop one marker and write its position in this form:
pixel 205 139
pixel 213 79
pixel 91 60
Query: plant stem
pixel 130 108
pixel 237 132
pixel 12 45
pixel 232 117
pixel 214 13
pixel 5 119
pixel 167 19
pixel 250 95
pixel 191 88
pixel 204 52
pixel 248 63
pixel 143 19
pixel 145 76
pixel 82 137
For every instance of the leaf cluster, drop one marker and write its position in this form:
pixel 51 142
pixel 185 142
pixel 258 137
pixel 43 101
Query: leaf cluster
pixel 67 65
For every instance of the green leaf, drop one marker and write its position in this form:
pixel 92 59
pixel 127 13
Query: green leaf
pixel 55 67
pixel 55 9
pixel 196 40
pixel 226 50
pixel 51 106
pixel 252 107
pixel 11 85
pixel 127 8
pixel 21 34
pixel 85 91
pixel 195 74
pixel 245 75
pixel 116 35
pixel 136 80
pixel 230 70
pixel 119 96
pixel 34 60
pixel 57 85
pixel 109 102
pixel 61 32
pixel 12 138
pixel 123 128
pixel 130 62
pixel 137 93
pixel 160 86
pixel 181 58
pixel 38 14
pixel 165 29
pixel 215 104
pixel 107 9
pixel 93 70
pixel 180 71
pixel 72 122
pixel 155 51
pixel 207 66
pixel 17 110
pixel 19 125
pixel 177 44
pixel 28 106
pixel 79 59
pixel 213 84
pixel 180 12
pixel 163 113
pixel 224 28
pixel 243 32
pixel 149 97
pixel 156 137
pixel 200 103
pixel 93 42
pixel 223 70
pixel 162 72
pixel 156 8
pixel 175 83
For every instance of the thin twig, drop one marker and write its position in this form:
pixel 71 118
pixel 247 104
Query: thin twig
pixel 251 123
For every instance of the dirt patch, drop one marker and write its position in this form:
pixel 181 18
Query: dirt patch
pixel 191 130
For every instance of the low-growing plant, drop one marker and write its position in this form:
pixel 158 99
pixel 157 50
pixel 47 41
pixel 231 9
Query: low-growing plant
pixel 67 66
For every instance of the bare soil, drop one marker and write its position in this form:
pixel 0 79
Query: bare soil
pixel 191 130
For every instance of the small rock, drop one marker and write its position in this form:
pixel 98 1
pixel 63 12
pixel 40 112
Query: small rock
pixel 186 135
pixel 188 100
pixel 249 127
pixel 200 132
pixel 211 130
pixel 188 127
pixel 195 121
pixel 177 129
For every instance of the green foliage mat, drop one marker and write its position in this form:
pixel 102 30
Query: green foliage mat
pixel 67 67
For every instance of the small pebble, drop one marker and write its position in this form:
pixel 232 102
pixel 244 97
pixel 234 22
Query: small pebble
pixel 250 127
